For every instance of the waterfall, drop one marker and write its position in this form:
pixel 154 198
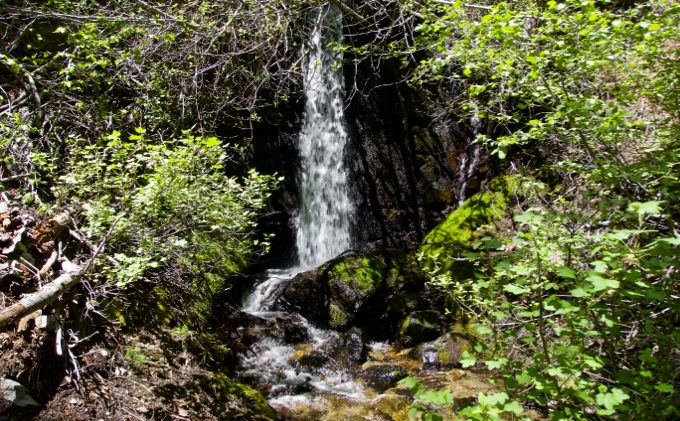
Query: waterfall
pixel 323 220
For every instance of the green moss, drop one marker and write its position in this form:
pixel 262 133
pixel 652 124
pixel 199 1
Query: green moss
pixel 457 231
pixel 222 385
pixel 338 317
pixel 365 271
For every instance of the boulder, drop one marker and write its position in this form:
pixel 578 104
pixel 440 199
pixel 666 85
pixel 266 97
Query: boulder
pixel 14 395
pixel 456 233
pixel 420 326
pixel 352 281
pixel 442 353
pixel 333 294
pixel 342 352
pixel 306 294
pixel 383 377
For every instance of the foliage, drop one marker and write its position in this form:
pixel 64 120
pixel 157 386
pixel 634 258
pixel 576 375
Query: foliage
pixel 427 403
pixel 165 208
pixel 576 305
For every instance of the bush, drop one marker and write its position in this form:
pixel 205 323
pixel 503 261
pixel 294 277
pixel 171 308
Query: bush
pixel 166 210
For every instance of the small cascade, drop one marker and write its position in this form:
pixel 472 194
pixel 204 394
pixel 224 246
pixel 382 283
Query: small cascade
pixel 323 226
pixel 323 221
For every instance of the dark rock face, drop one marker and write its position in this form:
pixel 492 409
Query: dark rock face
pixel 402 157
pixel 421 326
pixel 383 377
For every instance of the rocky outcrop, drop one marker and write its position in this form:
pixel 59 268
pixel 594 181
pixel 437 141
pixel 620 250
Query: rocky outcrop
pixel 383 377
pixel 372 291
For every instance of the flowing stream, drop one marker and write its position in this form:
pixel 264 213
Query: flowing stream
pixel 327 391
pixel 323 225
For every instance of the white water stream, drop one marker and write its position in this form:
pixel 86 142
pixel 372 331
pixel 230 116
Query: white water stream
pixel 323 223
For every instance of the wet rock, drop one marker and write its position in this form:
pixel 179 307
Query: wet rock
pixel 383 377
pixel 291 329
pixel 442 353
pixel 352 281
pixel 345 351
pixel 305 294
pixel 334 293
pixel 420 326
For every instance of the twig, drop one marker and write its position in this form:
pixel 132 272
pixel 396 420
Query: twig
pixel 14 177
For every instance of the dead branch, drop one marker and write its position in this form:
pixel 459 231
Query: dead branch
pixel 55 289
pixel 46 296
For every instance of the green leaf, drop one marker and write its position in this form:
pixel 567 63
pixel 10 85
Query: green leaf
pixel 513 407
pixel 409 382
pixel 610 400
pixel 467 359
pixel 515 289
pixel 653 207
pixel 494 364
pixel 579 293
pixel 492 400
pixel 600 284
pixel 664 388
pixel 566 272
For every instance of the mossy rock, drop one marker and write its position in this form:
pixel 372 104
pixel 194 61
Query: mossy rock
pixel 224 388
pixel 351 280
pixel 457 232
pixel 363 270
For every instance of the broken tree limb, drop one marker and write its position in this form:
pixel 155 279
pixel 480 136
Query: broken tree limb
pixel 55 289
pixel 46 296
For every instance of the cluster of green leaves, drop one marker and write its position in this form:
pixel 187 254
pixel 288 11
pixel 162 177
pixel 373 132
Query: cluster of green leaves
pixel 566 73
pixel 577 306
pixel 427 403
pixel 577 320
pixel 166 209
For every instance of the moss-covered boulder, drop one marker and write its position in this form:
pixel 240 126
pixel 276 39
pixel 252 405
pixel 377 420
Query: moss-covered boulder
pixel 457 231
pixel 351 282
pixel 335 293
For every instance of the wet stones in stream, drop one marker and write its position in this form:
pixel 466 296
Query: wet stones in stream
pixel 383 377
pixel 442 353
pixel 343 352
pixel 288 328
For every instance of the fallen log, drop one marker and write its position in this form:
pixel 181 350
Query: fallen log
pixel 40 299
pixel 50 292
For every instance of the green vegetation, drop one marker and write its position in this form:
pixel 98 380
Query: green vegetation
pixel 576 299
pixel 137 118
pixel 365 271
pixel 142 196
pixel 456 233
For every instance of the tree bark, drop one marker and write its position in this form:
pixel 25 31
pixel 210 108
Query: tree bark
pixel 40 299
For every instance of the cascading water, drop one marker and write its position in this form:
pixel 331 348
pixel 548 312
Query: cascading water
pixel 323 221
